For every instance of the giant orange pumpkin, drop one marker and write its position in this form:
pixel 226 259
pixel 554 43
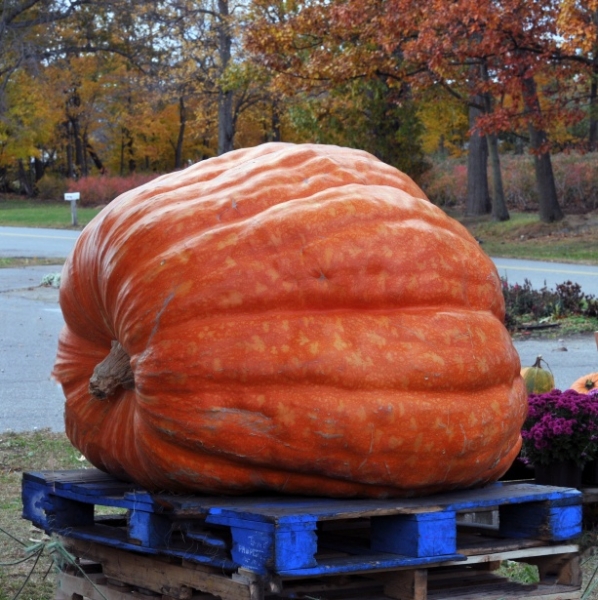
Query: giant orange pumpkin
pixel 297 318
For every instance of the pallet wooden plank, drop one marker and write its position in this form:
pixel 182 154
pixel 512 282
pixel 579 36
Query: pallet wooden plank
pixel 159 576
pixel 278 509
pixel 116 537
pixel 92 588
pixel 511 592
pixel 363 563
pixel 500 493
pixel 418 583
pixel 407 585
pixel 539 520
pixel 522 554
pixel 422 534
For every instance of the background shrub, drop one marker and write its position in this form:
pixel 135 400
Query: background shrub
pixel 525 304
pixel 102 189
pixel 446 183
pixel 51 187
pixel 576 177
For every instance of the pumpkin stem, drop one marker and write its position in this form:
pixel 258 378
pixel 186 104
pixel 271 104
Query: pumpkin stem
pixel 113 372
pixel 539 361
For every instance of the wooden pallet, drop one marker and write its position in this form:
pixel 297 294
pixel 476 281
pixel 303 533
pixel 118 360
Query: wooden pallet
pixel 251 544
pixel 105 573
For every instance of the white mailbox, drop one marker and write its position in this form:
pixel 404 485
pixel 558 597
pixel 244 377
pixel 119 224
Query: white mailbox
pixel 72 197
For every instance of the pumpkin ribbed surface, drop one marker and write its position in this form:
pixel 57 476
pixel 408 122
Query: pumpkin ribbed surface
pixel 297 318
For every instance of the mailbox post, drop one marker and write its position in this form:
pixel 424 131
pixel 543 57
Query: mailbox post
pixel 72 197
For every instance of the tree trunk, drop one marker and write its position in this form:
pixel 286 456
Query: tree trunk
pixel 499 204
pixel 122 152
pixel 79 152
pixel 549 208
pixel 275 134
pixel 178 151
pixel 127 152
pixel 226 129
pixel 500 211
pixel 478 198
pixel 39 168
pixel 24 182
pixel 97 161
pixel 70 165
pixel 593 129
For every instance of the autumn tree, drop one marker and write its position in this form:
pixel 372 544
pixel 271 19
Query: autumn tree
pixel 480 51
pixel 25 39
pixel 319 43
pixel 333 83
pixel 28 134
pixel 445 121
pixel 577 27
pixel 500 49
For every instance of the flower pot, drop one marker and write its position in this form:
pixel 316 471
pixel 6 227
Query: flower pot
pixel 590 473
pixel 565 473
pixel 518 471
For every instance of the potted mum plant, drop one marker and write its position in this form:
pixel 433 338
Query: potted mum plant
pixel 560 436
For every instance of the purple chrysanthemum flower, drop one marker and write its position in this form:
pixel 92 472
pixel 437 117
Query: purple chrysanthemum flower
pixel 561 425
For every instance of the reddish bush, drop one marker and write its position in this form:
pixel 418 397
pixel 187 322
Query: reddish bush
pixel 446 183
pixel 576 178
pixel 102 189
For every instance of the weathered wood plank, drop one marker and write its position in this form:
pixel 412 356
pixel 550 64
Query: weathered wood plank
pixel 93 587
pixel 157 575
pixel 523 553
pixel 407 585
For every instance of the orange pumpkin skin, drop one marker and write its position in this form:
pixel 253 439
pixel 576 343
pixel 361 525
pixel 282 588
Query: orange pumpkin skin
pixel 585 384
pixel 299 318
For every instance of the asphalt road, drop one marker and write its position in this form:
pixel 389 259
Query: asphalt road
pixel 31 320
pixel 548 274
pixel 23 242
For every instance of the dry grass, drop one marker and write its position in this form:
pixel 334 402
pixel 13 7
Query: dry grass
pixel 19 570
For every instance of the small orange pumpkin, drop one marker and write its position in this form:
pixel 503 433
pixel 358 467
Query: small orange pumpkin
pixel 296 318
pixel 585 384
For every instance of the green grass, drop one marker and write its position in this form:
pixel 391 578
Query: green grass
pixel 519 571
pixel 574 239
pixel 27 262
pixel 30 213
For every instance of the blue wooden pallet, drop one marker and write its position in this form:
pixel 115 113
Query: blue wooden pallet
pixel 290 536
